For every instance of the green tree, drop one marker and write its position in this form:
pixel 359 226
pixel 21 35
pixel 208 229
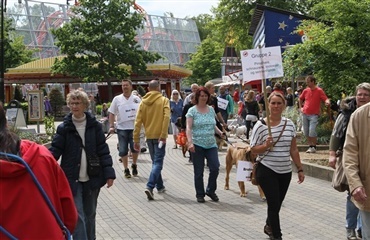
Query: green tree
pixel 57 101
pixel 203 24
pixel 205 63
pixel 100 40
pixel 337 49
pixel 16 52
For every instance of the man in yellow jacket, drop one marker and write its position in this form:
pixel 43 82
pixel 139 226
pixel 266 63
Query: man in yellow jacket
pixel 154 114
pixel 356 160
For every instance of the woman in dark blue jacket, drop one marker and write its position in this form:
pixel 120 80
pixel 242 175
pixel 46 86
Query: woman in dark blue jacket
pixel 78 139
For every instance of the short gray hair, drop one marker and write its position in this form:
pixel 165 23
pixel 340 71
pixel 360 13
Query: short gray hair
pixel 78 95
pixel 363 86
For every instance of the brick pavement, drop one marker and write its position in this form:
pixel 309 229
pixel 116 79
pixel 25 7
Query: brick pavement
pixel 312 210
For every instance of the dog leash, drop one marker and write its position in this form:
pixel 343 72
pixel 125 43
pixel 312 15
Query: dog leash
pixel 108 136
pixel 243 140
pixel 226 139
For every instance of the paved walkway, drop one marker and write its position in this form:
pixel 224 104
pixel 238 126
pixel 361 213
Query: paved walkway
pixel 312 210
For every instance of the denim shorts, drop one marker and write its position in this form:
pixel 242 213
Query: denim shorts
pixel 125 137
pixel 309 123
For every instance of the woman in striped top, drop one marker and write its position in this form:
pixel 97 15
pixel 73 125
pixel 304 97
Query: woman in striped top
pixel 274 171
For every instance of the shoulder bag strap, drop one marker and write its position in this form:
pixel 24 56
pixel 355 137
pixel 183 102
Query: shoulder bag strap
pixel 281 133
pixel 43 193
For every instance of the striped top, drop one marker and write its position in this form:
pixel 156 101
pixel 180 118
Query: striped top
pixel 278 159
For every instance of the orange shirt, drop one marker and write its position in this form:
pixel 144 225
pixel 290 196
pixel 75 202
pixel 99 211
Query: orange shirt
pixel 312 98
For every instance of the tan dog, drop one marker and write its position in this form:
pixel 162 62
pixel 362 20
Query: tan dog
pixel 232 157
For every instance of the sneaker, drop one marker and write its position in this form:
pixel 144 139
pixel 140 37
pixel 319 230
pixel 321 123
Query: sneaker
pixel 351 234
pixel 149 194
pixel 311 150
pixel 201 200
pixel 127 173
pixel 161 190
pixel 359 233
pixel 213 196
pixel 134 170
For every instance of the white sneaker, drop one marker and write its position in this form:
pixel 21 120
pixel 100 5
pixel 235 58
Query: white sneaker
pixel 311 150
pixel 308 150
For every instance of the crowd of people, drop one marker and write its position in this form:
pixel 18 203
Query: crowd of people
pixel 143 122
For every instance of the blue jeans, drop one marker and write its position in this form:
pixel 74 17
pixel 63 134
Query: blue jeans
pixel 198 156
pixel 365 217
pixel 309 123
pixel 86 201
pixel 125 137
pixel 157 155
pixel 353 218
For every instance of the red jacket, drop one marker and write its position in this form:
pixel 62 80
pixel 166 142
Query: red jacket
pixel 23 211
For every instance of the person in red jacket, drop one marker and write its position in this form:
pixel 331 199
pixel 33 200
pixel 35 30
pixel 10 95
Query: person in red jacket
pixel 23 211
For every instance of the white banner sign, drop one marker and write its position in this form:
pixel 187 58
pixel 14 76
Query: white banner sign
pixel 244 170
pixel 222 103
pixel 262 63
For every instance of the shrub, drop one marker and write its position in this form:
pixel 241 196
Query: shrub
pixel 57 101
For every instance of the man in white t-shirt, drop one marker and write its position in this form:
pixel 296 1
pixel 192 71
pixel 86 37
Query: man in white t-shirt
pixel 123 109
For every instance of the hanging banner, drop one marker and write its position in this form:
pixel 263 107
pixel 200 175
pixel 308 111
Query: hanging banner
pixel 261 63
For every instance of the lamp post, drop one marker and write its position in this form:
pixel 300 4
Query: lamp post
pixel 2 52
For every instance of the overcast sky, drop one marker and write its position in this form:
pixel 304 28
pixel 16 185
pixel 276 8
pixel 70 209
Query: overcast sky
pixel 179 8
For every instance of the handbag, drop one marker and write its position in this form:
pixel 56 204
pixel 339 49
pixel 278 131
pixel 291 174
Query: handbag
pixel 252 118
pixel 255 165
pixel 63 227
pixel 253 174
pixel 181 138
pixel 93 161
pixel 339 181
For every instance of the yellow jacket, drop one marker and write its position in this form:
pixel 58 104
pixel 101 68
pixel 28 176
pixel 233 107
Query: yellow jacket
pixel 356 154
pixel 154 114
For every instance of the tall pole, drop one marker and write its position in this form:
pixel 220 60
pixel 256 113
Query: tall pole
pixel 2 54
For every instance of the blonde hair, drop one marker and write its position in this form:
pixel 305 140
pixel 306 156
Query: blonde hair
pixel 277 94
pixel 178 94
pixel 250 96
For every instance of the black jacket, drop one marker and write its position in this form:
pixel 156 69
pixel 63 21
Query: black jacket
pixel 67 143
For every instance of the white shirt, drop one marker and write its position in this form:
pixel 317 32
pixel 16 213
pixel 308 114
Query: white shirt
pixel 125 111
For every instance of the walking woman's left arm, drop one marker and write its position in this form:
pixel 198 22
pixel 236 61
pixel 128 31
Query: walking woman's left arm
pixel 294 153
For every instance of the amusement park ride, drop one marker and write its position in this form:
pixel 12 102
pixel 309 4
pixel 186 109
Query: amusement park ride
pixel 56 20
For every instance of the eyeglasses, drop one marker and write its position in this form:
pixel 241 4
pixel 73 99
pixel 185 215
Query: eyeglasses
pixel 175 94
pixel 363 95
pixel 75 103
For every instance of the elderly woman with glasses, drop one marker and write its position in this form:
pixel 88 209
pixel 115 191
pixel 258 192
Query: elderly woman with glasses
pixel 79 137
pixel 176 105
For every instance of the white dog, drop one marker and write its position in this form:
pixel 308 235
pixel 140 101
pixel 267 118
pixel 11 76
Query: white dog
pixel 239 131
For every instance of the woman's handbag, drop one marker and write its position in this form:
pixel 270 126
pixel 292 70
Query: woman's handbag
pixel 339 181
pixel 253 174
pixel 93 165
pixel 252 118
pixel 93 161
pixel 181 138
pixel 63 227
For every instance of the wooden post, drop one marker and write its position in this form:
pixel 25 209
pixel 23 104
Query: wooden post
pixel 265 95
